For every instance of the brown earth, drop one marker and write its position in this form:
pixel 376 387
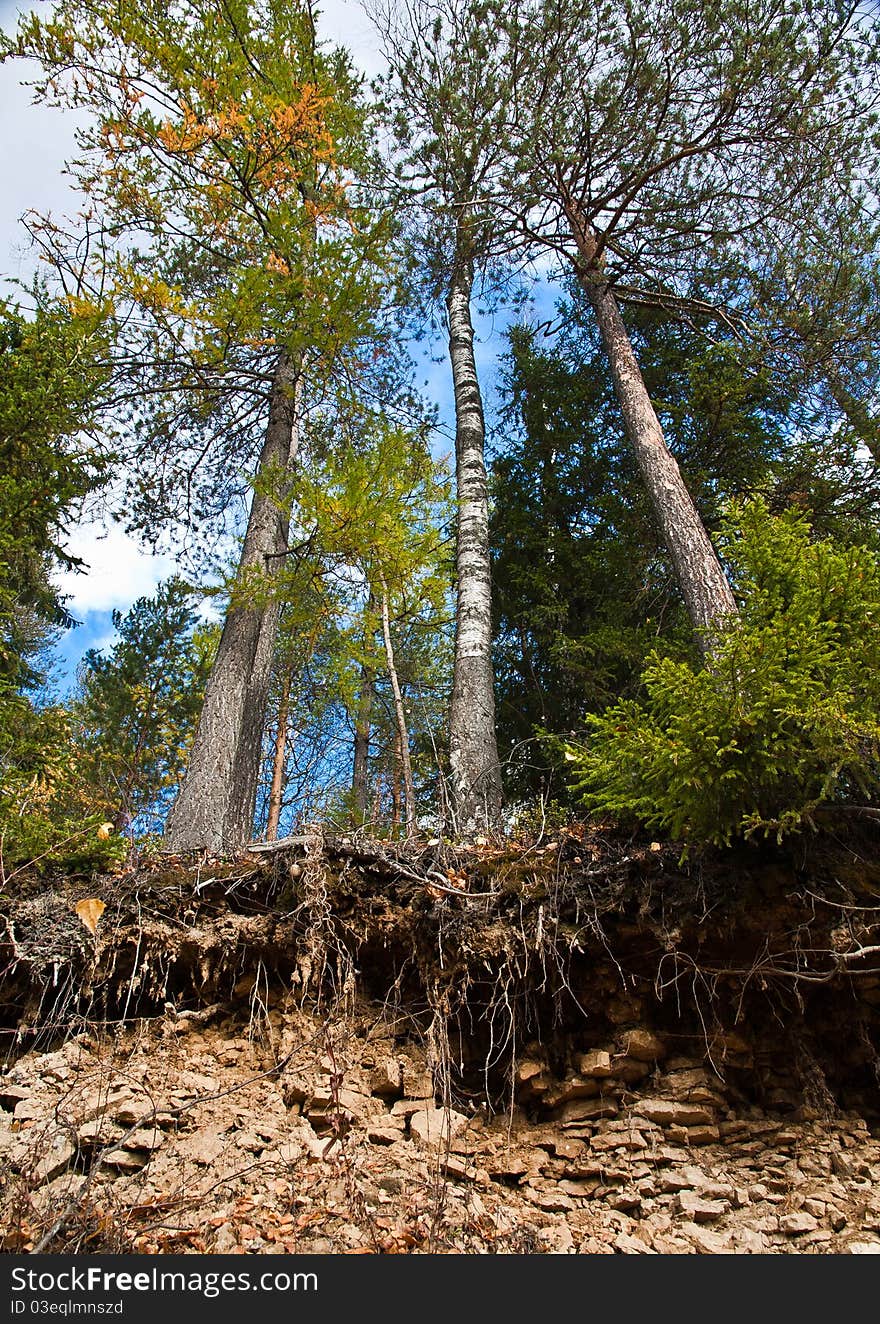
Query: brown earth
pixel 346 1047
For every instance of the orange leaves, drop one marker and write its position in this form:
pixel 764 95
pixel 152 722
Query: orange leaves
pixel 186 135
pixel 302 123
pixel 277 264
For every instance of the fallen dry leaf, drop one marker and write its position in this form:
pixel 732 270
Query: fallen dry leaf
pixel 90 910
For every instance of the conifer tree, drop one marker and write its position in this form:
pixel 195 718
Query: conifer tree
pixel 656 144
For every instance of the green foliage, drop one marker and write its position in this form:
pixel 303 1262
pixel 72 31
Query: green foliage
pixel 783 720
pixel 111 758
pixel 368 504
pixel 582 584
pixel 220 155
pixel 51 375
pixel 48 816
pixel 137 708
pixel 378 507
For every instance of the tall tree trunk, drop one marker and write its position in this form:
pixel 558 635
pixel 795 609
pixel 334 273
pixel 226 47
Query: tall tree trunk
pixel 402 733
pixel 395 782
pixel 276 790
pixel 473 746
pixel 215 808
pixel 704 586
pixel 359 775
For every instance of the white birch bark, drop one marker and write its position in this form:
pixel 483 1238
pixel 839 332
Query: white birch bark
pixel 473 747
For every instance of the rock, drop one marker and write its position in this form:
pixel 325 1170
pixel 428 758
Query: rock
pixel 796 1224
pixel 682 1179
pixel 406 1107
pixel 125 1160
pixel 148 1138
pixel 458 1168
pixel 204 1146
pixel 295 1088
pixel 708 1243
pixel 386 1080
pixel 750 1242
pixel 385 1130
pixel 291 1151
pixel 31 1109
pixel 99 1131
pixel 505 1166
pixel 569 1149
pixel 596 1064
pixel 618 1140
pixel 131 1110
pixel 629 1069
pixel 701 1135
pixel 719 1190
pixel 357 1105
pixel 698 1209
pixel 527 1068
pixel 226 1241
pixel 98 1103
pixel 814 1207
pixel 578 1190
pixel 433 1126
pixel 417 1083
pixel 552 1202
pixel 53 1161
pixel 585 1110
pixel 670 1112
pixel 643 1046
pixel 12 1095
pixel 630 1245
pixel 863 1248
pixel 625 1200
pixel 574 1087
pixel 250 1143
pixel 56 1194
pixel 556 1240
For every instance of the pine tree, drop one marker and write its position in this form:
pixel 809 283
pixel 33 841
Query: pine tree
pixel 653 145
pixel 137 707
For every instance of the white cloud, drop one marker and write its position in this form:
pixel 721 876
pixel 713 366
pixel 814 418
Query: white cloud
pixel 345 23
pixel 34 144
pixel 119 570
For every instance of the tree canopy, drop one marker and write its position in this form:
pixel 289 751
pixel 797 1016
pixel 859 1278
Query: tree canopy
pixel 647 591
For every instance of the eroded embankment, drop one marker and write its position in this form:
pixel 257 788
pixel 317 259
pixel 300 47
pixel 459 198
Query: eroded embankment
pixel 345 1046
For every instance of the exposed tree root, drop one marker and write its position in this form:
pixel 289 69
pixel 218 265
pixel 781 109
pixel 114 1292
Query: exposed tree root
pixel 487 949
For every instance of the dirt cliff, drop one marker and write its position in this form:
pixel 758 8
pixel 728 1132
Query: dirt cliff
pixel 344 1046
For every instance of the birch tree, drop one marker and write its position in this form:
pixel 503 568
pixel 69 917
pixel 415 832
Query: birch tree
pixel 445 80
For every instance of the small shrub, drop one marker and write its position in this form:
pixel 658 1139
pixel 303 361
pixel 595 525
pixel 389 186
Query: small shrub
pixel 783 718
